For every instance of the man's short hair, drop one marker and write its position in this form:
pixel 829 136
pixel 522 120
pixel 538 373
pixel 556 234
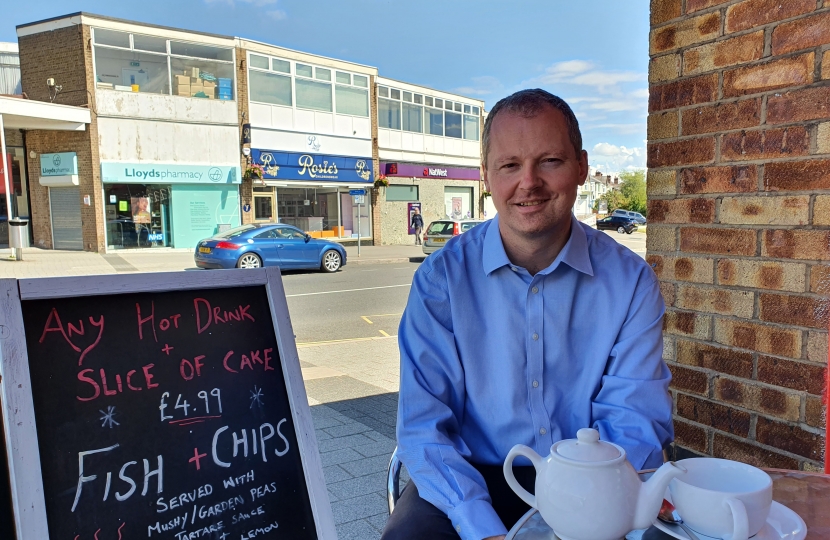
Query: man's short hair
pixel 527 104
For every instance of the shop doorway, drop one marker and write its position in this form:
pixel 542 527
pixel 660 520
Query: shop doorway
pixel 265 205
pixel 65 208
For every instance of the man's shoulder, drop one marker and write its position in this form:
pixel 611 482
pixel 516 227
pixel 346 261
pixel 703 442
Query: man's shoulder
pixel 461 253
pixel 611 259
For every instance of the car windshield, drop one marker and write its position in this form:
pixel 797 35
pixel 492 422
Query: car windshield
pixel 440 227
pixel 236 231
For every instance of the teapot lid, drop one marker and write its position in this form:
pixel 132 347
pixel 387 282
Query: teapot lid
pixel 587 447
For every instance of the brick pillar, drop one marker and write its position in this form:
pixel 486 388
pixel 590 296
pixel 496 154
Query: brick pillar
pixel 377 201
pixel 246 194
pixel 739 222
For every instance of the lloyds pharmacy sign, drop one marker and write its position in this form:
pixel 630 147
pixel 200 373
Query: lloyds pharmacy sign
pixel 313 167
pixel 162 173
pixel 60 164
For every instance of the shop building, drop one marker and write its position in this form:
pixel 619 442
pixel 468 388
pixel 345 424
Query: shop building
pixel 430 152
pixel 307 122
pixel 159 165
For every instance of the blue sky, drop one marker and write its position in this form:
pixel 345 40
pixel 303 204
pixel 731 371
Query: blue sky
pixel 594 53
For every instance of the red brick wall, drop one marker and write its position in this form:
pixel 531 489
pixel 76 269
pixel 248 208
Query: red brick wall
pixel 65 55
pixel 739 222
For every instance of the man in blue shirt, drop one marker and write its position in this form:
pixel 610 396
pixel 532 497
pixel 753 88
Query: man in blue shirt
pixel 523 330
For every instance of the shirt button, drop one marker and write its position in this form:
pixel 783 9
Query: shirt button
pixel 535 290
pixel 458 528
pixel 514 268
pixel 535 384
pixel 535 337
pixel 543 431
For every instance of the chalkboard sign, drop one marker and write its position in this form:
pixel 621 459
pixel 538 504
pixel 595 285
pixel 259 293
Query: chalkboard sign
pixel 165 406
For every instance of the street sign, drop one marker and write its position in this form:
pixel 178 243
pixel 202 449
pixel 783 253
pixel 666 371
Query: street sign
pixel 359 199
pixel 354 192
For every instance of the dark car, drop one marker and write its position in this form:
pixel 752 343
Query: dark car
pixel 255 246
pixel 617 223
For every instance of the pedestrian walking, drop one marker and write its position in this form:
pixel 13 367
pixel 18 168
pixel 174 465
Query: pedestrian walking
pixel 418 225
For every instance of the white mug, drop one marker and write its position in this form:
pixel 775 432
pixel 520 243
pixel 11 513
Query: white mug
pixel 722 498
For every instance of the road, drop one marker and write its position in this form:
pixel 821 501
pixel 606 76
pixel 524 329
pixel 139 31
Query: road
pixel 358 302
pixel 364 301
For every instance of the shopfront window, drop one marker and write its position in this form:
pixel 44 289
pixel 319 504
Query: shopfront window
pixel 140 63
pixel 138 216
pixel 458 202
pixel 308 209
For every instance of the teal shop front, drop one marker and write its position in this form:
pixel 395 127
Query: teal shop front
pixel 168 206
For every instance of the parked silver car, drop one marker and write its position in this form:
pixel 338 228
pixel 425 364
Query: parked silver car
pixel 439 232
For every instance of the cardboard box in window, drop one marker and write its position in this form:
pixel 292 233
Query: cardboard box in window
pixel 339 231
pixel 194 72
pixel 181 79
pixel 209 84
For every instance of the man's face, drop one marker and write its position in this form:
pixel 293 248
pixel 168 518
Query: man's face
pixel 533 172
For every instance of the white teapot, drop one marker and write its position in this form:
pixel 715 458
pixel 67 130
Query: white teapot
pixel 587 490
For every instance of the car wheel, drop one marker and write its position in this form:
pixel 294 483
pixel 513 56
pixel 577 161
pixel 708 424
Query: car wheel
pixel 629 231
pixel 620 229
pixel 249 260
pixel 331 261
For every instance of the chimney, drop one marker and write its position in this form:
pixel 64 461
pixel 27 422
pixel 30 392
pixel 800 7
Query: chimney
pixel 616 180
pixel 608 179
pixel 598 173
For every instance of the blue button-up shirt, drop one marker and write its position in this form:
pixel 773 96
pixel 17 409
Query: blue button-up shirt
pixel 492 356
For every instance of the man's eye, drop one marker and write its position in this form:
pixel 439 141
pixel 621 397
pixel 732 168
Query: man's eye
pixel 508 166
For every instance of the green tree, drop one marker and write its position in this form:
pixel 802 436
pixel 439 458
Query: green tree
pixel 614 198
pixel 633 189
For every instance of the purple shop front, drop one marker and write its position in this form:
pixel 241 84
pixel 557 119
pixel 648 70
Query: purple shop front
pixel 412 170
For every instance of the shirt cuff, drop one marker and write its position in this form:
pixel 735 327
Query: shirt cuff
pixel 475 520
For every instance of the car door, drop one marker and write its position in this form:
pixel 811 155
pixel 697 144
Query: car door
pixel 292 247
pixel 265 245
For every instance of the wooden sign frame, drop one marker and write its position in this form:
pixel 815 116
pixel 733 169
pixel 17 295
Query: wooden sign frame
pixel 16 400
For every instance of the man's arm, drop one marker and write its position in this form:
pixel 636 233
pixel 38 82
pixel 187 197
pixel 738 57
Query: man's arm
pixel 431 403
pixel 633 407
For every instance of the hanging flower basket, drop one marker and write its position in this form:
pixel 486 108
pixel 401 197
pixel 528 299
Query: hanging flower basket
pixel 254 172
pixel 381 181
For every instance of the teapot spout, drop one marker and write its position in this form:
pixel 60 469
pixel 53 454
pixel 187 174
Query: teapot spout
pixel 652 493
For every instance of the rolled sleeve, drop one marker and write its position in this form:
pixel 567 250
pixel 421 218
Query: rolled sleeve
pixel 431 403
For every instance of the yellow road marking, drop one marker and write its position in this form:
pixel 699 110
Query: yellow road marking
pixel 313 343
pixel 384 333
pixel 366 319
pixel 386 315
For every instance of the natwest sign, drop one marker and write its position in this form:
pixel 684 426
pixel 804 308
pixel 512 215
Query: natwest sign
pixel 435 172
pixel 425 171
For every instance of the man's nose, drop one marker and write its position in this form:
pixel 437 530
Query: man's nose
pixel 530 177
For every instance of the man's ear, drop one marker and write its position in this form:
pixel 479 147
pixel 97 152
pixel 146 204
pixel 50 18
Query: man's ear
pixel 583 167
pixel 484 176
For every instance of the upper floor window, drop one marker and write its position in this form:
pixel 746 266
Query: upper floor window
pixel 304 86
pixel 151 64
pixel 418 113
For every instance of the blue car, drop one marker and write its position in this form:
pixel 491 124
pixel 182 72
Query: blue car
pixel 255 246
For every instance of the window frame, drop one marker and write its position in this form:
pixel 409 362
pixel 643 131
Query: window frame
pixel 430 103
pixel 167 54
pixel 292 66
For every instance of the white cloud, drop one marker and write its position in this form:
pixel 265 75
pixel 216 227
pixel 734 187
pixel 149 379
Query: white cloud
pixel 623 129
pixel 277 14
pixel 482 86
pixel 611 157
pixel 585 73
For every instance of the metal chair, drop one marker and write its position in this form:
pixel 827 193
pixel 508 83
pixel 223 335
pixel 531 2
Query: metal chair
pixel 393 477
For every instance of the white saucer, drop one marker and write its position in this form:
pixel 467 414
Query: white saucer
pixel 782 524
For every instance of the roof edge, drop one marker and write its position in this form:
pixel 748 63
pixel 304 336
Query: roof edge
pixel 127 21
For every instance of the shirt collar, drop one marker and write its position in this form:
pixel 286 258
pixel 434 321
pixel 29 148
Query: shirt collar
pixel 574 253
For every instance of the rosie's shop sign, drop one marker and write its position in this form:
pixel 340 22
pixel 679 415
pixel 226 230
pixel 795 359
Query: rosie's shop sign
pixel 316 167
pixel 157 173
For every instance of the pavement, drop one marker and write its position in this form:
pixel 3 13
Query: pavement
pixel 39 262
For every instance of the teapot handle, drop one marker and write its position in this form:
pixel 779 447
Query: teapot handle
pixel 521 450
